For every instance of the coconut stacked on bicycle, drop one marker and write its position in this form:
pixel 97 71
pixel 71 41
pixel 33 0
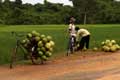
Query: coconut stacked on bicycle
pixel 40 46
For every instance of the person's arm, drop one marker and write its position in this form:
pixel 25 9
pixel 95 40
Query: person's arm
pixel 78 36
pixel 70 28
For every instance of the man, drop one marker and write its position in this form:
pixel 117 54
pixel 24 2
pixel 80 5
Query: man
pixel 71 28
pixel 72 35
pixel 84 34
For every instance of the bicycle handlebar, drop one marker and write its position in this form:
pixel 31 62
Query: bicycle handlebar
pixel 16 35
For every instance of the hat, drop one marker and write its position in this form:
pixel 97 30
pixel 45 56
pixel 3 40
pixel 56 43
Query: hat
pixel 72 19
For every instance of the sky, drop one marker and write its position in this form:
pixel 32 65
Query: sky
pixel 66 2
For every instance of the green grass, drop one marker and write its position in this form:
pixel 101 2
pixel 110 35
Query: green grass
pixel 58 32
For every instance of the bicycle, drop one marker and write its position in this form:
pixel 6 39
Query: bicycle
pixel 71 45
pixel 15 49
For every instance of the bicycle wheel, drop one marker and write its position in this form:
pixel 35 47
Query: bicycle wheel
pixel 71 45
pixel 13 57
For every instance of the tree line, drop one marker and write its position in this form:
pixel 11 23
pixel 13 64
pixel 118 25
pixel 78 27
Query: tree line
pixel 85 11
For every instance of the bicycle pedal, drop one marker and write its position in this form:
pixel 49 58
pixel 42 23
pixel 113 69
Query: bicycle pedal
pixel 69 52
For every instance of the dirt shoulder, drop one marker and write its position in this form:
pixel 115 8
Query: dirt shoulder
pixel 79 66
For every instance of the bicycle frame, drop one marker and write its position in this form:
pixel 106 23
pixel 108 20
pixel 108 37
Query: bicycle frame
pixel 19 45
pixel 71 45
pixel 14 50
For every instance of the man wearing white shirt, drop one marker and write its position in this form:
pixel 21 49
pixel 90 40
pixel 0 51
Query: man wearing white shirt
pixel 72 35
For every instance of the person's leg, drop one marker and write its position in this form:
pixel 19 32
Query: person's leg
pixel 82 43
pixel 74 41
pixel 71 44
pixel 87 41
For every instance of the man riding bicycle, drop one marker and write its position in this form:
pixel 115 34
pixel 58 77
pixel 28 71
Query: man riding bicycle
pixel 72 35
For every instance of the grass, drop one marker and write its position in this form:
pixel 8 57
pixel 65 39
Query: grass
pixel 58 32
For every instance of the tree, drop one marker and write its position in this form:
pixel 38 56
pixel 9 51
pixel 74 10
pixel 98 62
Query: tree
pixel 18 3
pixel 1 12
pixel 7 3
pixel 85 7
pixel 87 11
pixel 115 12
pixel 108 11
pixel 45 1
pixel 0 1
pixel 39 7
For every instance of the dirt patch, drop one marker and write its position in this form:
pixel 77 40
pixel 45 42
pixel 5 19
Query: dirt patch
pixel 86 65
pixel 111 77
